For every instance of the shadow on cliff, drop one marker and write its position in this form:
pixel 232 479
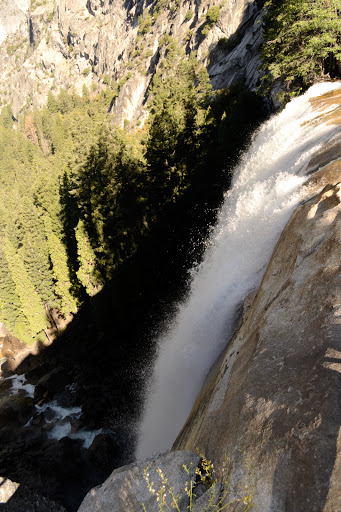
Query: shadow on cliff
pixel 104 357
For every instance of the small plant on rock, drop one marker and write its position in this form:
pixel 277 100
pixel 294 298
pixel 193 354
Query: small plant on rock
pixel 204 477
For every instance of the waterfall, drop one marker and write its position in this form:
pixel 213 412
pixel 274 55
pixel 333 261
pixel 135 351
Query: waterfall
pixel 266 188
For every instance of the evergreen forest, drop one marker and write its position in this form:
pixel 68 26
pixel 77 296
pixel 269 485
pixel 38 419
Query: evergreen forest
pixel 302 42
pixel 80 195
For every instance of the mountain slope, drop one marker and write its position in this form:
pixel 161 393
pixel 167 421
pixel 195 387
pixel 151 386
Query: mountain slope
pixel 68 44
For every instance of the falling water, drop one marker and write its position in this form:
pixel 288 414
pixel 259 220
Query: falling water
pixel 265 190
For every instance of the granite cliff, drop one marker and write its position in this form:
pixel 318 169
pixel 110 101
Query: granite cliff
pixel 69 44
pixel 275 393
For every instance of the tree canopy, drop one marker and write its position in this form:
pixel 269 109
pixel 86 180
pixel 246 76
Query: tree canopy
pixel 78 203
pixel 302 40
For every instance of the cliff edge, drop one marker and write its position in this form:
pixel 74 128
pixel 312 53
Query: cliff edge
pixel 275 392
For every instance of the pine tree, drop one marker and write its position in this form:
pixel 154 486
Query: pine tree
pixel 302 40
pixel 31 304
pixel 11 313
pixel 52 103
pixel 60 269
pixel 6 117
pixel 86 274
pixel 178 104
pixel 33 250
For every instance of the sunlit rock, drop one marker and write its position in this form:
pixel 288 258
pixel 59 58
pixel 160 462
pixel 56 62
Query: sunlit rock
pixel 276 392
pixel 127 488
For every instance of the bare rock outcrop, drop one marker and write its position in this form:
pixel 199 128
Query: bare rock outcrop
pixel 69 44
pixel 18 498
pixel 127 489
pixel 276 391
pixel 12 14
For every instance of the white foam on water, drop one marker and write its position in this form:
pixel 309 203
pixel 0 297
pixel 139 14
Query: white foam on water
pixel 60 418
pixel 55 415
pixel 19 383
pixel 60 430
pixel 86 435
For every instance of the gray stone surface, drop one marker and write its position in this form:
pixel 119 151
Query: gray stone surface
pixel 66 43
pixel 17 498
pixel 12 13
pixel 126 489
pixel 209 500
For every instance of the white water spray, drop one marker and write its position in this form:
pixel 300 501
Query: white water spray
pixel 265 190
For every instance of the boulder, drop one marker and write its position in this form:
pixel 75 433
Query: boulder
pixel 126 488
pixel 11 348
pixel 15 410
pixel 18 498
pixel 104 452
pixel 51 383
pixel 276 391
pixel 37 372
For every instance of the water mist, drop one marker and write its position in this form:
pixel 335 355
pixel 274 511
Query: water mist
pixel 265 190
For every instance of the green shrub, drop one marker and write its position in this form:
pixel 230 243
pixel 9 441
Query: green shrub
pixel 205 30
pixel 144 23
pixel 302 41
pixel 203 475
pixel 50 16
pixel 213 14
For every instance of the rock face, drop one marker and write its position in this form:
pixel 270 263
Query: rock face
pixel 69 44
pixel 12 14
pixel 16 498
pixel 275 393
pixel 126 488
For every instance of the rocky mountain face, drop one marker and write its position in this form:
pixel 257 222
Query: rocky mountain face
pixel 69 44
pixel 12 14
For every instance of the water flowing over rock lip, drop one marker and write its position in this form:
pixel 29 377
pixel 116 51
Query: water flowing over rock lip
pixel 266 183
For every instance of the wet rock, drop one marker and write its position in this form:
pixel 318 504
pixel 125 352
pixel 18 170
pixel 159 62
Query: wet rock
pixel 5 386
pixel 37 372
pixel 62 457
pixel 34 437
pixel 51 384
pixel 16 410
pixel 104 451
pixel 18 498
